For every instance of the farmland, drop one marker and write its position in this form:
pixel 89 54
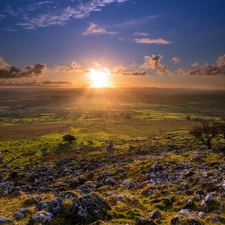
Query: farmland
pixel 147 127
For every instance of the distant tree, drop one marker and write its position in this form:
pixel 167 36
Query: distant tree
pixel 188 118
pixel 69 138
pixel 206 132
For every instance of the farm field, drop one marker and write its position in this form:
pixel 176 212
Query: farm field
pixel 154 164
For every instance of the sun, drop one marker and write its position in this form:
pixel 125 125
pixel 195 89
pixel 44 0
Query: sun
pixel 99 78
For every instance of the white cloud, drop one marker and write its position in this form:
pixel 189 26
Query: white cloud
pixel 93 29
pixel 2 16
pixel 140 33
pixel 176 60
pixel 58 14
pixel 151 41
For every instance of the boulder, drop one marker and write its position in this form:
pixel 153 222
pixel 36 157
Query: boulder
pixel 89 207
pixel 4 220
pixel 41 217
pixel 54 206
pixel 20 214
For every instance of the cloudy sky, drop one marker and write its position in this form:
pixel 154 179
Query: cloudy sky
pixel 127 42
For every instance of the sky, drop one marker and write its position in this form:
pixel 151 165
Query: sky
pixel 113 43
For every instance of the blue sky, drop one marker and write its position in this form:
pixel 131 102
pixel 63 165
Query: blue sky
pixel 135 42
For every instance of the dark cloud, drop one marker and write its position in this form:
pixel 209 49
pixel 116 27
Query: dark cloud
pixel 135 73
pixel 209 70
pixel 7 71
pixel 32 83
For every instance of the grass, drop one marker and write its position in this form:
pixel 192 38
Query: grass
pixel 158 132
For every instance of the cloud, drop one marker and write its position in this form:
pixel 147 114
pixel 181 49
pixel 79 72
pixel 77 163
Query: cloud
pixel 94 30
pixel 2 16
pixel 121 70
pixel 32 83
pixel 58 13
pixel 96 64
pixel 75 65
pixel 176 60
pixel 221 61
pixel 151 41
pixel 154 63
pixel 8 71
pixel 10 10
pixel 180 71
pixel 140 33
pixel 195 65
pixel 137 21
pixel 62 69
pixel 209 70
pixel 135 73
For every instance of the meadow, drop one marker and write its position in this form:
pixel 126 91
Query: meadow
pixel 147 127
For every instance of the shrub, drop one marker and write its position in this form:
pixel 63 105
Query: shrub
pixel 69 138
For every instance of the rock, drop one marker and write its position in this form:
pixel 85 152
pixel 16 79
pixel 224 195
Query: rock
pixel 189 202
pixel 109 146
pixel 201 214
pixel 32 200
pixel 66 195
pixel 184 212
pixel 215 218
pixel 208 198
pixel 84 189
pixel 109 180
pixel 155 214
pixel 20 214
pixel 89 207
pixel 4 220
pixel 144 221
pixel 54 206
pixel 41 217
pixel 64 161
pixel 175 221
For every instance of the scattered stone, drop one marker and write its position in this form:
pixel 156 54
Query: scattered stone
pixel 175 221
pixel 4 220
pixel 54 206
pixel 189 202
pixel 201 214
pixel 215 218
pixel 144 221
pixel 20 214
pixel 89 207
pixel 155 214
pixel 41 217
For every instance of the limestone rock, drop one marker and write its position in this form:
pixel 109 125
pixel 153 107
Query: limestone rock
pixel 89 207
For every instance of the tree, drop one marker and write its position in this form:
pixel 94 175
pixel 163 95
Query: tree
pixel 69 138
pixel 188 118
pixel 206 132
pixel 220 129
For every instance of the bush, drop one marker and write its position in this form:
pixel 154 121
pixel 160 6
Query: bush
pixel 69 138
